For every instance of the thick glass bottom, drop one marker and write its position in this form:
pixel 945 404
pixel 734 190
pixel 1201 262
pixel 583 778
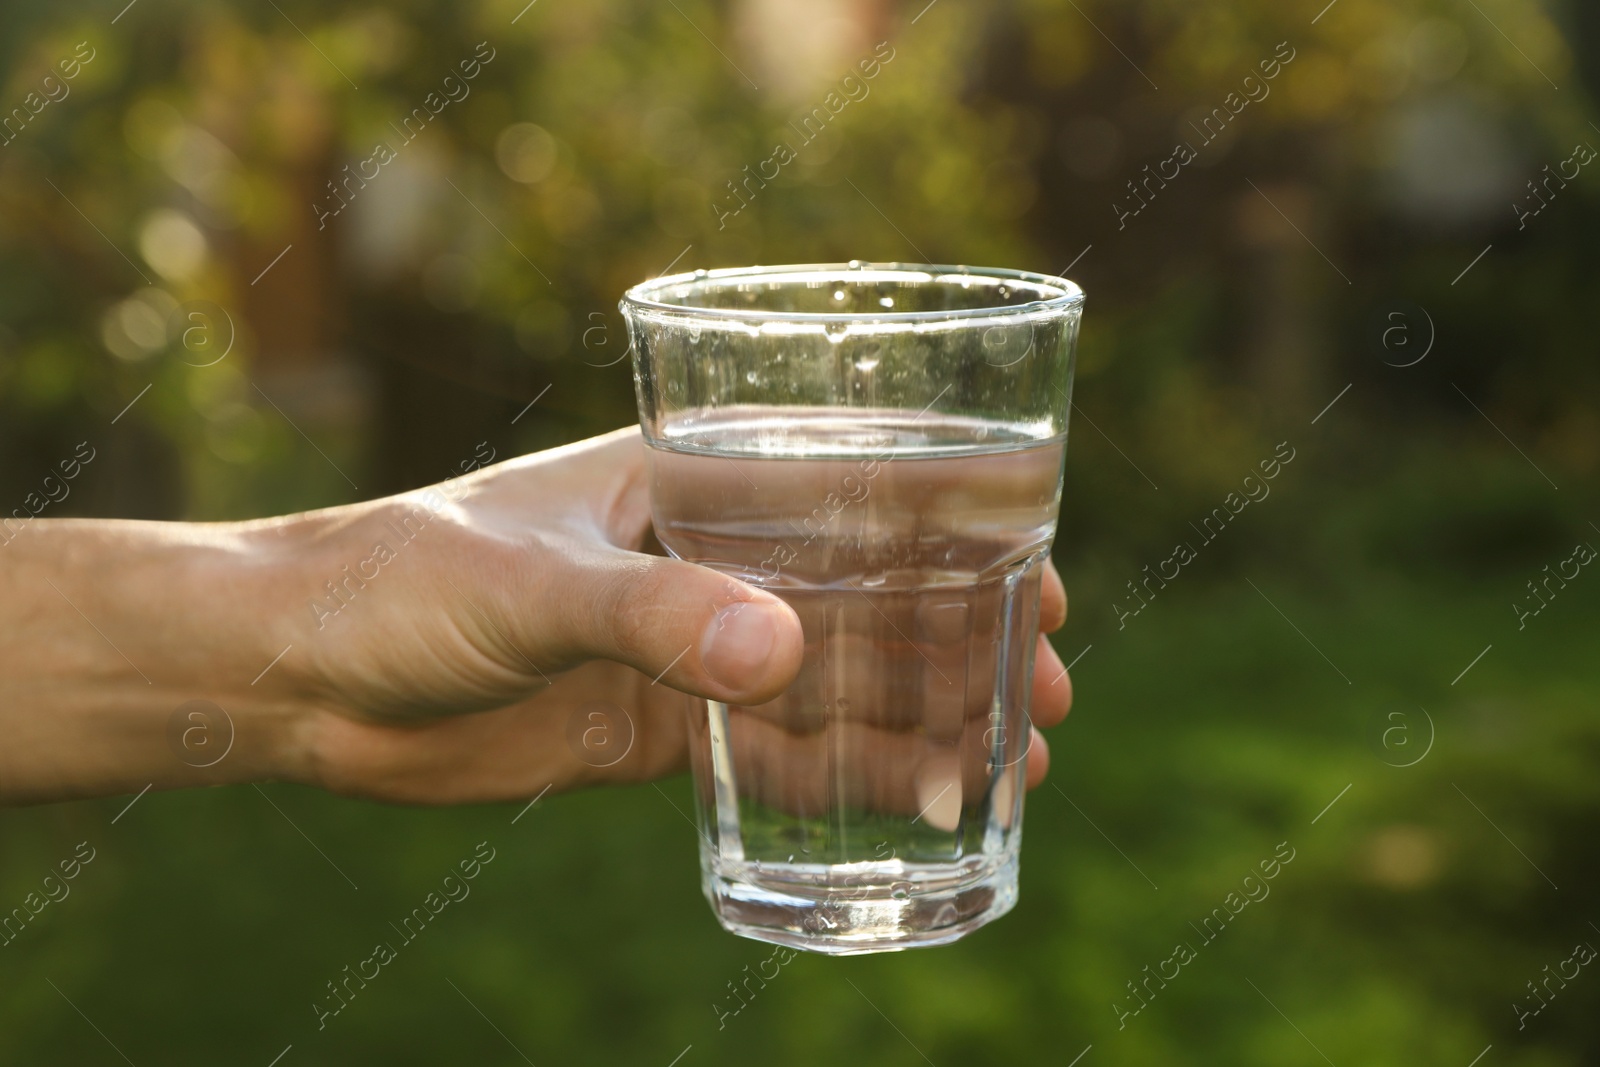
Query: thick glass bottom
pixel 881 907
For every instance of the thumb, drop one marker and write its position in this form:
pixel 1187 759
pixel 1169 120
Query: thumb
pixel 685 626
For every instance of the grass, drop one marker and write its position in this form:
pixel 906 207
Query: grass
pixel 1420 900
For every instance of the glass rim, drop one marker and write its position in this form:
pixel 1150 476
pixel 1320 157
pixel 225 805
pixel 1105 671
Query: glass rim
pixel 644 296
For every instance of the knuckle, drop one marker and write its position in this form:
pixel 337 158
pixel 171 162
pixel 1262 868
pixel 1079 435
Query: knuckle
pixel 636 596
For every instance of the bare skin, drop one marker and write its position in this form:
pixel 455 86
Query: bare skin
pixel 442 669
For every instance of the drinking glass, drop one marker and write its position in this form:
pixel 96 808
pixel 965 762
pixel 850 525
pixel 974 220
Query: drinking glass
pixel 881 446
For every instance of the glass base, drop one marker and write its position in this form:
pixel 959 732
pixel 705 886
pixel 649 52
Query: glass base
pixel 787 906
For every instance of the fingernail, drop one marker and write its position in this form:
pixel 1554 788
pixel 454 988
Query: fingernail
pixel 1048 661
pixel 1005 799
pixel 738 642
pixel 938 788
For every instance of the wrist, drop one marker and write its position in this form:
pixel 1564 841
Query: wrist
pixel 285 566
pixel 330 579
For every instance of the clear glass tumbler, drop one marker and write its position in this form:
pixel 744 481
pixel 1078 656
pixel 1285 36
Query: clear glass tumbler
pixel 881 446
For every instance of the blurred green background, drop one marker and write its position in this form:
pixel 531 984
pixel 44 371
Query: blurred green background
pixel 1363 234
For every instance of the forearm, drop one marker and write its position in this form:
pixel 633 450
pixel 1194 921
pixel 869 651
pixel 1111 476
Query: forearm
pixel 488 638
pixel 110 628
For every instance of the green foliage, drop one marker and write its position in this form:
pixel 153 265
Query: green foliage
pixel 483 265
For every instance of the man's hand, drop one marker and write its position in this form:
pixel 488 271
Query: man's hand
pixel 436 647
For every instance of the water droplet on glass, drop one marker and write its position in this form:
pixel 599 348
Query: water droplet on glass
pixel 702 273
pixel 866 365
pixel 750 376
pixel 886 301
pixel 838 294
pixel 899 893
